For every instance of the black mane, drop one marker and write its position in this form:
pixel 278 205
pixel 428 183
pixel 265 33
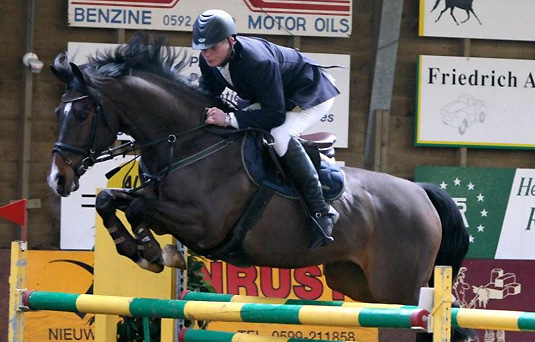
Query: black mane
pixel 145 52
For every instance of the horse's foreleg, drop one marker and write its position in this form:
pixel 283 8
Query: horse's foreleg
pixel 467 17
pixel 440 15
pixel 107 202
pixel 455 19
pixel 138 216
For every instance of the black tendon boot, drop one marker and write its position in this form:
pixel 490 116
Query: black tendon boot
pixel 304 176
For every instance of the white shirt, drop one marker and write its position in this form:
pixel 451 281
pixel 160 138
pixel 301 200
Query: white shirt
pixel 225 72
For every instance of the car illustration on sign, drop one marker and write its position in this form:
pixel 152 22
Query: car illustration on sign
pixel 464 112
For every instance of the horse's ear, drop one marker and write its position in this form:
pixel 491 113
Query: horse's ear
pixel 77 72
pixel 56 73
pixel 61 68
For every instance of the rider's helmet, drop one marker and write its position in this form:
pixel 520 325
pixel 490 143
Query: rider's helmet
pixel 211 27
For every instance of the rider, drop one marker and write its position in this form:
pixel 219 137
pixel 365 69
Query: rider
pixel 289 93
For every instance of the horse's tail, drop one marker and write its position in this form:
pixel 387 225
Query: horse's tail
pixel 436 5
pixel 454 243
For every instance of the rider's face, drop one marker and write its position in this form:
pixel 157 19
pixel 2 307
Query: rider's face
pixel 218 54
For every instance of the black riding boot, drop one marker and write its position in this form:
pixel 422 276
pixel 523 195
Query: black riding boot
pixel 304 176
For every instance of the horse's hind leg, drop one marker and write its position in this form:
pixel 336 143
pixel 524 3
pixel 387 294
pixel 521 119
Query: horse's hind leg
pixel 348 278
pixel 475 15
pixel 107 202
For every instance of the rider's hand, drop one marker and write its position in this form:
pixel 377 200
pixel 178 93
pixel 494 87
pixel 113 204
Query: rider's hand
pixel 215 116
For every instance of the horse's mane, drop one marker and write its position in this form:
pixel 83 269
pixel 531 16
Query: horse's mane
pixel 145 52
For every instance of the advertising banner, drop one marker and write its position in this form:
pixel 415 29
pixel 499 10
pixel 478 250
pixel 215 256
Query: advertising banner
pixel 302 283
pixel 497 206
pixel 489 19
pixel 497 285
pixel 475 102
pixel 282 17
pixel 59 271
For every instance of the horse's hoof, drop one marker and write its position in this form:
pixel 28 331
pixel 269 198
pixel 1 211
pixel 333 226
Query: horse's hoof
pixel 173 258
pixel 150 266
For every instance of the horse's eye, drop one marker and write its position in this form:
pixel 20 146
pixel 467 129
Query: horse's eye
pixel 83 115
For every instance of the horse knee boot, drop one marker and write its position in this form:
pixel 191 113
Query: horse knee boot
pixel 304 176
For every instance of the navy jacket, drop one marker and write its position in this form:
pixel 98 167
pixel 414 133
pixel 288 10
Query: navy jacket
pixel 277 77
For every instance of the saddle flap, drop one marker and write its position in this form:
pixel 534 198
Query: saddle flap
pixel 322 140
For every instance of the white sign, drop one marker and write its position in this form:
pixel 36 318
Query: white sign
pixel 476 102
pixel 517 238
pixel 280 17
pixel 77 226
pixel 488 19
pixel 336 122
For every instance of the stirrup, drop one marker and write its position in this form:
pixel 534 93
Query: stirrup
pixel 319 236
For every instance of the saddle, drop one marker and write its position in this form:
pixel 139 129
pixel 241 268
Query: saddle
pixel 261 164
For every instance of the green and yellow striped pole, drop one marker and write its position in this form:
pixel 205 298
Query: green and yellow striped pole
pixel 228 312
pixel 465 318
pixel 196 335
pixel 493 319
pixel 219 297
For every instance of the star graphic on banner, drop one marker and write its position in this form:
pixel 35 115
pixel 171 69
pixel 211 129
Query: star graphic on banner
pixel 475 205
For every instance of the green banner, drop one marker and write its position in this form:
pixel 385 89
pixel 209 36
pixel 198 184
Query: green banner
pixel 482 195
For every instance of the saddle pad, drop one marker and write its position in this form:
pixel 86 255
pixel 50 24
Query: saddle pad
pixel 261 169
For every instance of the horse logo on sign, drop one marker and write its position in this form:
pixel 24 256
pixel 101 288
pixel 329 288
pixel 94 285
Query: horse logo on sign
pixel 462 4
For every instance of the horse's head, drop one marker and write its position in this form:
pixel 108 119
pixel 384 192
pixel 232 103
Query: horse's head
pixel 84 131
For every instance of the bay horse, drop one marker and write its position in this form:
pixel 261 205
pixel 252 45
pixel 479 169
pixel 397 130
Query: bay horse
pixel 390 235
pixel 452 4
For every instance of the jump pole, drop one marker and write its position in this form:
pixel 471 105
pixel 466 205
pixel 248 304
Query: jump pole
pixel 197 335
pixel 483 319
pixel 229 298
pixel 228 312
pixel 17 284
pixel 441 313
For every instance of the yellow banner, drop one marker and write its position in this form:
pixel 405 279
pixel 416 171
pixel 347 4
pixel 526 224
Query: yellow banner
pixel 60 271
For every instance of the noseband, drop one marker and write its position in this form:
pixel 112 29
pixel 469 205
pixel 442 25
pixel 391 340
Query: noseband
pixel 89 154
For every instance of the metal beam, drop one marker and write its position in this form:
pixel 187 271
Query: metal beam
pixel 389 23
pixel 27 110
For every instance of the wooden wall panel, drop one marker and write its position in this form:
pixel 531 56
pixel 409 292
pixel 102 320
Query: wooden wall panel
pixel 52 34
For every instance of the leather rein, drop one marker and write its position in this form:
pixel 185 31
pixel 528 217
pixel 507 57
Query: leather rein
pixel 91 157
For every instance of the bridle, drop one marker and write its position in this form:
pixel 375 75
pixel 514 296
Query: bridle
pixel 89 154
pixel 91 157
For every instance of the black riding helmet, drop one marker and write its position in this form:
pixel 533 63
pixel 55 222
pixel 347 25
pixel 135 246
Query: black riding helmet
pixel 211 27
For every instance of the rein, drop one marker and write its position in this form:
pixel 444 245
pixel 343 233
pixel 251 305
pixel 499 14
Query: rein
pixel 91 157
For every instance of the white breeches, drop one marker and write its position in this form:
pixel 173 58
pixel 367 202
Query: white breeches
pixel 296 123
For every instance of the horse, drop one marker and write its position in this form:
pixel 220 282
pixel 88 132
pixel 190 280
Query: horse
pixel 390 234
pixel 462 4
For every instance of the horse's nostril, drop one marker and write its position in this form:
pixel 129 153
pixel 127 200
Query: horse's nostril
pixel 60 183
